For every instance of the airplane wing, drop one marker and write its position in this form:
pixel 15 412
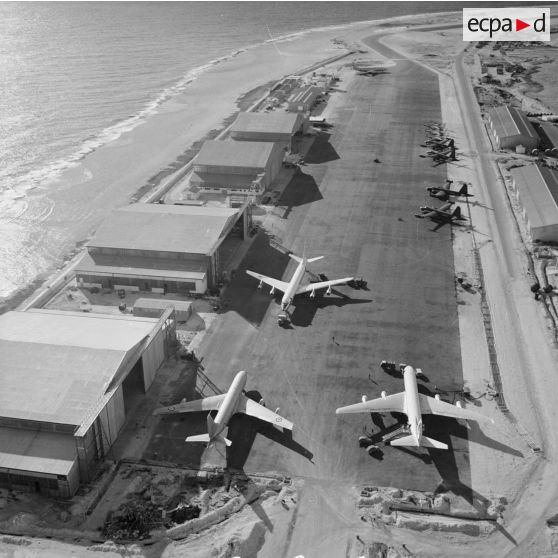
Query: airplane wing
pixel 322 285
pixel 206 404
pixel 443 208
pixel 250 407
pixel 275 283
pixel 391 403
pixel 430 405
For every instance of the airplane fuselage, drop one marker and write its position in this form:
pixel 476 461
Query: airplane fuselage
pixel 230 403
pixel 412 404
pixel 294 283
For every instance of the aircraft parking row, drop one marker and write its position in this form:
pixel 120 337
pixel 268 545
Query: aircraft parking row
pixel 409 402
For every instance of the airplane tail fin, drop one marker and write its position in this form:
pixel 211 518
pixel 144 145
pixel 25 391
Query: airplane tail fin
pixel 212 436
pixel 457 213
pixel 464 190
pixel 212 432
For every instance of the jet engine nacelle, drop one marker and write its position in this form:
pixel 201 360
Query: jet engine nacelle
pixel 383 394
pixel 328 290
pixel 312 294
pixel 437 397
pixel 364 399
pixel 260 285
pixel 272 290
pixel 458 404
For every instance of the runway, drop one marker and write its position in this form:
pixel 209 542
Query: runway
pixel 358 213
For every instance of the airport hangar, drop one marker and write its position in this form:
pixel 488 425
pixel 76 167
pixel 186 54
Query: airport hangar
pixel 68 381
pixel 278 127
pixel 161 248
pixel 536 189
pixel 511 128
pixel 237 168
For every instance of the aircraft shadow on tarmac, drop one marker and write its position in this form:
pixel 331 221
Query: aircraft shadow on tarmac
pixel 305 307
pixel 242 433
pixel 445 463
pixel 321 151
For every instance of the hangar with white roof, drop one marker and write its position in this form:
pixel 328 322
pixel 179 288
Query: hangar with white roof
pixel 536 189
pixel 68 382
pixel 280 127
pixel 511 128
pixel 160 248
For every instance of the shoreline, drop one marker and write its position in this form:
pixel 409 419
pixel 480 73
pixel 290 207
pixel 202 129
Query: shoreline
pixel 100 167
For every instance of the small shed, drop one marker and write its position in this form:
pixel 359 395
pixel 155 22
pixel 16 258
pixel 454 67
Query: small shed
pixel 154 308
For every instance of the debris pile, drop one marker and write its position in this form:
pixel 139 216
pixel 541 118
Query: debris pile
pixel 426 510
pixel 133 521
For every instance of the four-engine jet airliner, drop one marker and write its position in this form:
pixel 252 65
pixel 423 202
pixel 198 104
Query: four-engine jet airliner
pixel 414 405
pixel 293 287
pixel 440 214
pixel 226 405
pixel 444 193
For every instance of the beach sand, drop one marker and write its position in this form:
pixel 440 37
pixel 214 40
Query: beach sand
pixel 54 218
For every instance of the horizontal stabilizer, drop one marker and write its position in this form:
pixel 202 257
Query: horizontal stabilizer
pixel 405 441
pixel 412 441
pixel 310 260
pixel 431 443
pixel 198 438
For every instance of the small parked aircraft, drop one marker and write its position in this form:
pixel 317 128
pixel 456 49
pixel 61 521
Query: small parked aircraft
pixel 445 193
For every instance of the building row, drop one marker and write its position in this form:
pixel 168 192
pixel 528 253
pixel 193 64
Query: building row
pixel 69 379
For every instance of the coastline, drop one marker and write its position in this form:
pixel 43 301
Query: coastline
pixel 70 209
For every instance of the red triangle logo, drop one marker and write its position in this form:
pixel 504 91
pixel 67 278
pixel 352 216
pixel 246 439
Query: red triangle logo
pixel 519 24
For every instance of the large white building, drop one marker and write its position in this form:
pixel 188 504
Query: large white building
pixel 68 381
pixel 536 189
pixel 237 168
pixel 279 127
pixel 511 128
pixel 160 248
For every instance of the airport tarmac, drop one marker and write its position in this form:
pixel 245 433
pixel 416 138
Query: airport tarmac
pixel 358 213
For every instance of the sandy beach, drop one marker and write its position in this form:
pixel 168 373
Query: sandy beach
pixel 501 461
pixel 53 219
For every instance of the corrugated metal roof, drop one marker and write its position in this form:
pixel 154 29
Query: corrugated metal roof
pixel 164 228
pixel 273 122
pixel 509 121
pixel 551 132
pixel 252 154
pixel 538 191
pixel 56 365
pixel 40 452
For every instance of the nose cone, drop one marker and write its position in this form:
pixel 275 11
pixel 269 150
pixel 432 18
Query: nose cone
pixel 410 370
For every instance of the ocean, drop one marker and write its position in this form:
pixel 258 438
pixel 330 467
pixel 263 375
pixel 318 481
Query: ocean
pixel 76 76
